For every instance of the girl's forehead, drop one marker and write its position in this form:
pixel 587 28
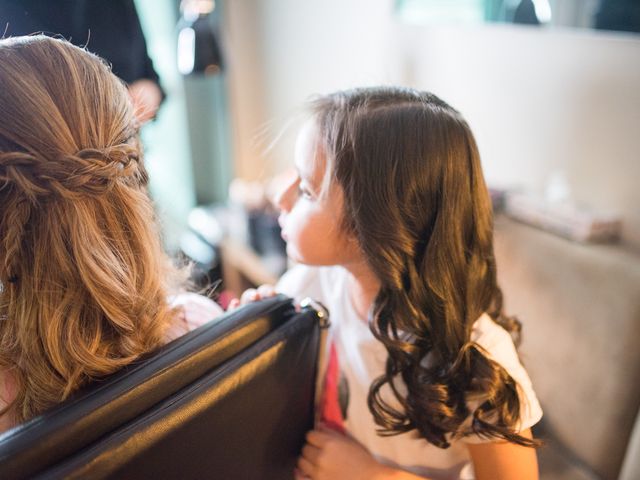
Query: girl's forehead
pixel 309 160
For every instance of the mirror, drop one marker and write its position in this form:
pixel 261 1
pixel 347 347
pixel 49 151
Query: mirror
pixel 617 15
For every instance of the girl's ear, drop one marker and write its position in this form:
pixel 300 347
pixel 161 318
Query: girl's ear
pixel 352 242
pixel 351 238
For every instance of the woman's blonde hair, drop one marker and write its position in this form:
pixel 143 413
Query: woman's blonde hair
pixel 83 276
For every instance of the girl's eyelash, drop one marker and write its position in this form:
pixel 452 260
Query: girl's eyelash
pixel 303 191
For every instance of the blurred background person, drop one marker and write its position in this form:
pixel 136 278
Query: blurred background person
pixel 109 29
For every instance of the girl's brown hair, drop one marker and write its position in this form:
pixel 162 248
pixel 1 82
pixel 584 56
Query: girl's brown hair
pixel 83 276
pixel 416 200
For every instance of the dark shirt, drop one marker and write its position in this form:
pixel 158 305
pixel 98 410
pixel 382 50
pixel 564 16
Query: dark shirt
pixel 108 28
pixel 622 15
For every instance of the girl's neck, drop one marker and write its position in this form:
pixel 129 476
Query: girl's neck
pixel 362 287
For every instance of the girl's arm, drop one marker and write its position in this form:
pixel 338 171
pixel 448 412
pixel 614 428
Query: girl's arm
pixel 329 455
pixel 494 461
pixel 504 460
pixel 334 456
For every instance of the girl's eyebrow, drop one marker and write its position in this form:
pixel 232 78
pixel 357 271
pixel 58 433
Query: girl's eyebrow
pixel 301 175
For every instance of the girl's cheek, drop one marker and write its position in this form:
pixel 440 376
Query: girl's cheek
pixel 299 221
pixel 291 221
pixel 298 212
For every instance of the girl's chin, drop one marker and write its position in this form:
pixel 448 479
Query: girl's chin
pixel 295 255
pixel 292 253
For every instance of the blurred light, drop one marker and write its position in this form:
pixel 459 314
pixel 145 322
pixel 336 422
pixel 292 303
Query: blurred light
pixel 186 50
pixel 198 50
pixel 543 10
pixel 191 9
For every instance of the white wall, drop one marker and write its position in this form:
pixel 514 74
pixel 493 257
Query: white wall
pixel 541 102
pixel 281 52
pixel 538 101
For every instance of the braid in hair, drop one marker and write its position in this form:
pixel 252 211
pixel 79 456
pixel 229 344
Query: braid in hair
pixel 89 172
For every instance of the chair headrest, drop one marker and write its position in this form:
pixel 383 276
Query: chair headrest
pixel 121 397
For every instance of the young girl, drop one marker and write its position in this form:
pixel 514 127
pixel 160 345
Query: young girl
pixel 391 223
pixel 84 282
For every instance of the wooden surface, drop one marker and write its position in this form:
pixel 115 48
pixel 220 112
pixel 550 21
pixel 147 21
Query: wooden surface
pixel 242 268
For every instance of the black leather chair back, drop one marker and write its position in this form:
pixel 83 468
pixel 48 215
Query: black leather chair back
pixel 230 400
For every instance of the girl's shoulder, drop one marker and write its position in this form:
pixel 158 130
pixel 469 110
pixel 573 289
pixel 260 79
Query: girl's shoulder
pixel 498 345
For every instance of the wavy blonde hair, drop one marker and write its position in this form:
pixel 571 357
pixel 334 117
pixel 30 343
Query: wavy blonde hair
pixel 83 276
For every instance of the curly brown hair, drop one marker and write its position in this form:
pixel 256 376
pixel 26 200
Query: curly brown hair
pixel 416 200
pixel 83 276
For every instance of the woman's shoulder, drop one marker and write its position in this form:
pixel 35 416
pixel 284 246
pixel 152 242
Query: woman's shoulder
pixel 196 310
pixel 8 392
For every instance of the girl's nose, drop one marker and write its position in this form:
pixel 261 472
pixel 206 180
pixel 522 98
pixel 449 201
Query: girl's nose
pixel 284 193
pixel 283 198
